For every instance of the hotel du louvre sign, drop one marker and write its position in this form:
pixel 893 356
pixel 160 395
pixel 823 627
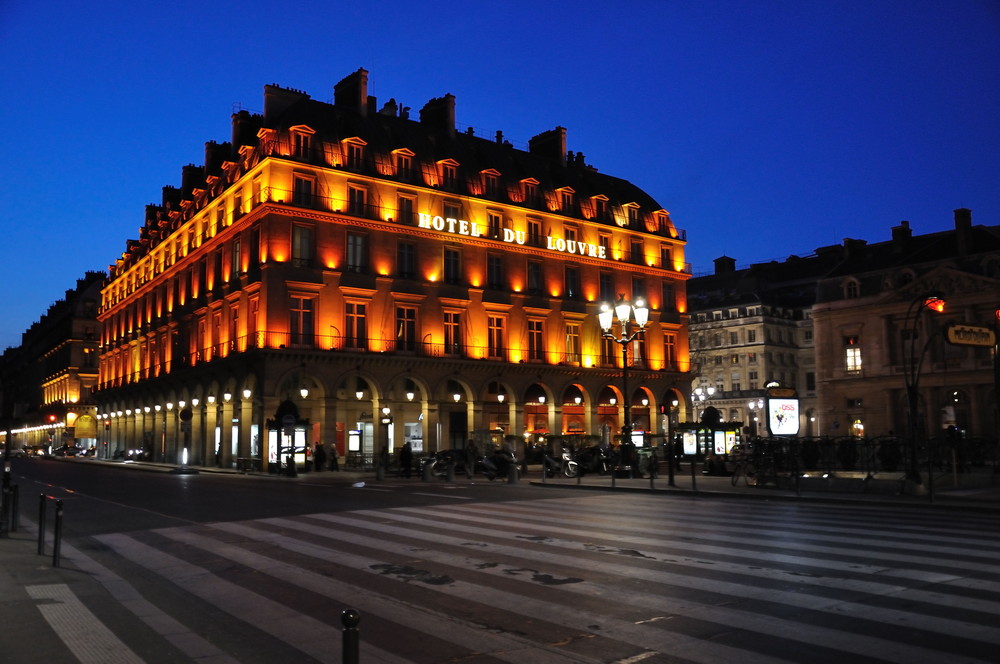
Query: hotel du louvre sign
pixel 473 229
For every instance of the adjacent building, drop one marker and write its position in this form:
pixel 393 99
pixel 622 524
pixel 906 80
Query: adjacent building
pixel 847 328
pixel 872 329
pixel 348 274
pixel 47 383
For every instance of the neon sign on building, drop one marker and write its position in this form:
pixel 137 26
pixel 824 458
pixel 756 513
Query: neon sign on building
pixel 510 236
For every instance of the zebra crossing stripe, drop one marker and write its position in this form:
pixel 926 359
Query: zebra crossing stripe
pixel 875 581
pixel 302 631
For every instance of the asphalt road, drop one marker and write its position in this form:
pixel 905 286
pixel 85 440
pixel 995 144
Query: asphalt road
pixel 259 569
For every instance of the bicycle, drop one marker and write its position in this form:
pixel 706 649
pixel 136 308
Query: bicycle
pixel 744 466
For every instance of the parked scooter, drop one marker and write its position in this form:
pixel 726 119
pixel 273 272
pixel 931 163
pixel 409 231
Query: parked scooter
pixel 567 465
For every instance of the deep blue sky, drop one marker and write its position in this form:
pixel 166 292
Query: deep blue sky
pixel 766 128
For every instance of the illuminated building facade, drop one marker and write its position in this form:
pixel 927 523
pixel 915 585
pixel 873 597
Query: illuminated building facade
pixel 383 280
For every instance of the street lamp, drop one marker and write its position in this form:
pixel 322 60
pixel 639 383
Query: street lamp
pixel 632 320
pixel 752 416
pixel 911 368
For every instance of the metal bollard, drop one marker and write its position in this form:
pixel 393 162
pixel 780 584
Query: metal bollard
pixel 57 535
pixel 351 645
pixel 512 473
pixel 451 471
pixel 15 501
pixel 428 474
pixel 41 525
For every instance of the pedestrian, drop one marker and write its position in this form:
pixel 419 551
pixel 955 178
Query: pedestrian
pixel 319 458
pixel 470 458
pixel 406 459
pixel 334 458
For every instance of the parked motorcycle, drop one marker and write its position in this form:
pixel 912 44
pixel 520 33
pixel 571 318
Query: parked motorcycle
pixel 498 464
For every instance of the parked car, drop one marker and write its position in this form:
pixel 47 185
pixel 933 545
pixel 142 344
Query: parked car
pixel 68 450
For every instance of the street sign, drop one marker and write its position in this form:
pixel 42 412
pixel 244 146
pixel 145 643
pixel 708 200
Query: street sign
pixel 971 335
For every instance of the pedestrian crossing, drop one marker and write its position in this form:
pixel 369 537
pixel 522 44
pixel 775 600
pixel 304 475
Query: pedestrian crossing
pixel 596 578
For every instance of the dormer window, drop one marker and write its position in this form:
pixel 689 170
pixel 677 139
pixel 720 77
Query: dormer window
pixel 632 210
pixel 354 152
pixel 529 192
pixel 566 200
pixel 403 163
pixel 302 141
pixel 491 183
pixel 448 172
pixel 852 289
pixel 600 207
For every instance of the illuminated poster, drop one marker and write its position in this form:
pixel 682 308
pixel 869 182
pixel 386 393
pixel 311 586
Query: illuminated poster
pixel 783 416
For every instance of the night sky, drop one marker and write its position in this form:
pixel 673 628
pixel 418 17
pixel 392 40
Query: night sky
pixel 766 128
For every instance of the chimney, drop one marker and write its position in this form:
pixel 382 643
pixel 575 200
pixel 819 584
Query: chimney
pixel 245 127
pixel 901 236
pixel 171 198
pixel 724 265
pixel 439 114
pixel 192 177
pixel 215 154
pixel 550 144
pixel 352 92
pixel 277 100
pixel 963 228
pixel 854 250
pixel 902 232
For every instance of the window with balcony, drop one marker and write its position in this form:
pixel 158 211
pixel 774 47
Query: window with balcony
pixel 356 326
pixel 404 209
pixel 572 283
pixel 535 284
pixel 536 336
pixel 357 253
pixel 572 343
pixel 670 350
pixel 636 251
pixel 303 251
pixel 302 191
pixel 453 333
pixel 406 260
pixel 606 282
pixel 534 231
pixel 406 328
pixel 495 337
pixel 452 266
pixel 301 325
pixel 494 272
pixel 494 224
pixel 357 201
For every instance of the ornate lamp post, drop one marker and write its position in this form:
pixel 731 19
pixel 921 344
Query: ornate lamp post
pixel 632 320
pixel 911 369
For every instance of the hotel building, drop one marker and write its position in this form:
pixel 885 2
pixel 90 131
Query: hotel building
pixel 346 274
